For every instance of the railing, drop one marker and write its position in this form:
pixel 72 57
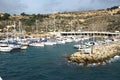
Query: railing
pixel 91 33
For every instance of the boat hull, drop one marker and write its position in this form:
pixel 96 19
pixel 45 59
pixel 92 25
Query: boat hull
pixel 5 49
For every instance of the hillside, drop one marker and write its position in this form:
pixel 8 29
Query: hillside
pixel 96 20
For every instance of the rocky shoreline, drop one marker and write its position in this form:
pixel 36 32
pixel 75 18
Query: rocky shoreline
pixel 101 54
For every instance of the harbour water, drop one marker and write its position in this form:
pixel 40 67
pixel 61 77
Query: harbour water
pixel 49 63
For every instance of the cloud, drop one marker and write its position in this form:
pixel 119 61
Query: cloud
pixel 76 5
pixel 50 6
pixel 11 6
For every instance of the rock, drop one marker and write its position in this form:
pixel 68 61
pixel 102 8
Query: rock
pixel 101 54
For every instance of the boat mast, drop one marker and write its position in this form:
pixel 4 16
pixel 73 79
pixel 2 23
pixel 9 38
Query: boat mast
pixel 54 24
pixel 92 44
pixel 20 27
pixel 36 25
pixel 70 25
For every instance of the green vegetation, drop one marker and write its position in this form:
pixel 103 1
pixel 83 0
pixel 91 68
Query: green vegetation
pixel 114 23
pixel 5 16
pixel 32 18
pixel 98 20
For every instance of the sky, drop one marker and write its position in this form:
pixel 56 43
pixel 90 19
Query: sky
pixel 52 6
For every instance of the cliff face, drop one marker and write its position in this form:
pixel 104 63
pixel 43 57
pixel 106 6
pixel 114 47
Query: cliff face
pixel 98 20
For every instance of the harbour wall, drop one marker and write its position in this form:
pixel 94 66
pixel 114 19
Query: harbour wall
pixel 101 54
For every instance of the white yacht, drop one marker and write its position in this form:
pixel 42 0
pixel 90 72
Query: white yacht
pixel 68 39
pixel 85 50
pixel 4 47
pixel 49 43
pixel 23 47
pixel 60 41
pixel 39 44
pixel 1 78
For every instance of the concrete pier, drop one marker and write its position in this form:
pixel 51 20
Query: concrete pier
pixel 101 54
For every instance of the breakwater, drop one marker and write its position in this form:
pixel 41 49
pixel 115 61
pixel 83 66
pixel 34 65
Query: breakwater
pixel 101 54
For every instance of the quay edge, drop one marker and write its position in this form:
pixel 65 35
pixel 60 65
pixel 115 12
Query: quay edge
pixel 101 54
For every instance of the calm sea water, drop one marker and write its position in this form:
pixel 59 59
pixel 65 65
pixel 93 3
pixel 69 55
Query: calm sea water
pixel 49 63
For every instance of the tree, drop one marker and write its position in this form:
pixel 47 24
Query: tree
pixel 5 16
pixel 23 14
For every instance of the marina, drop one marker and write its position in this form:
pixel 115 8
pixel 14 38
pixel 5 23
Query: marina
pixel 59 40
pixel 51 58
pixel 49 63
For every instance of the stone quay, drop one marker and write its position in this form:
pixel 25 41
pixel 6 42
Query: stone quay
pixel 101 54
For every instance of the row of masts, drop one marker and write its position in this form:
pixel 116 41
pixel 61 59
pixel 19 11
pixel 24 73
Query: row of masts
pixel 48 25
